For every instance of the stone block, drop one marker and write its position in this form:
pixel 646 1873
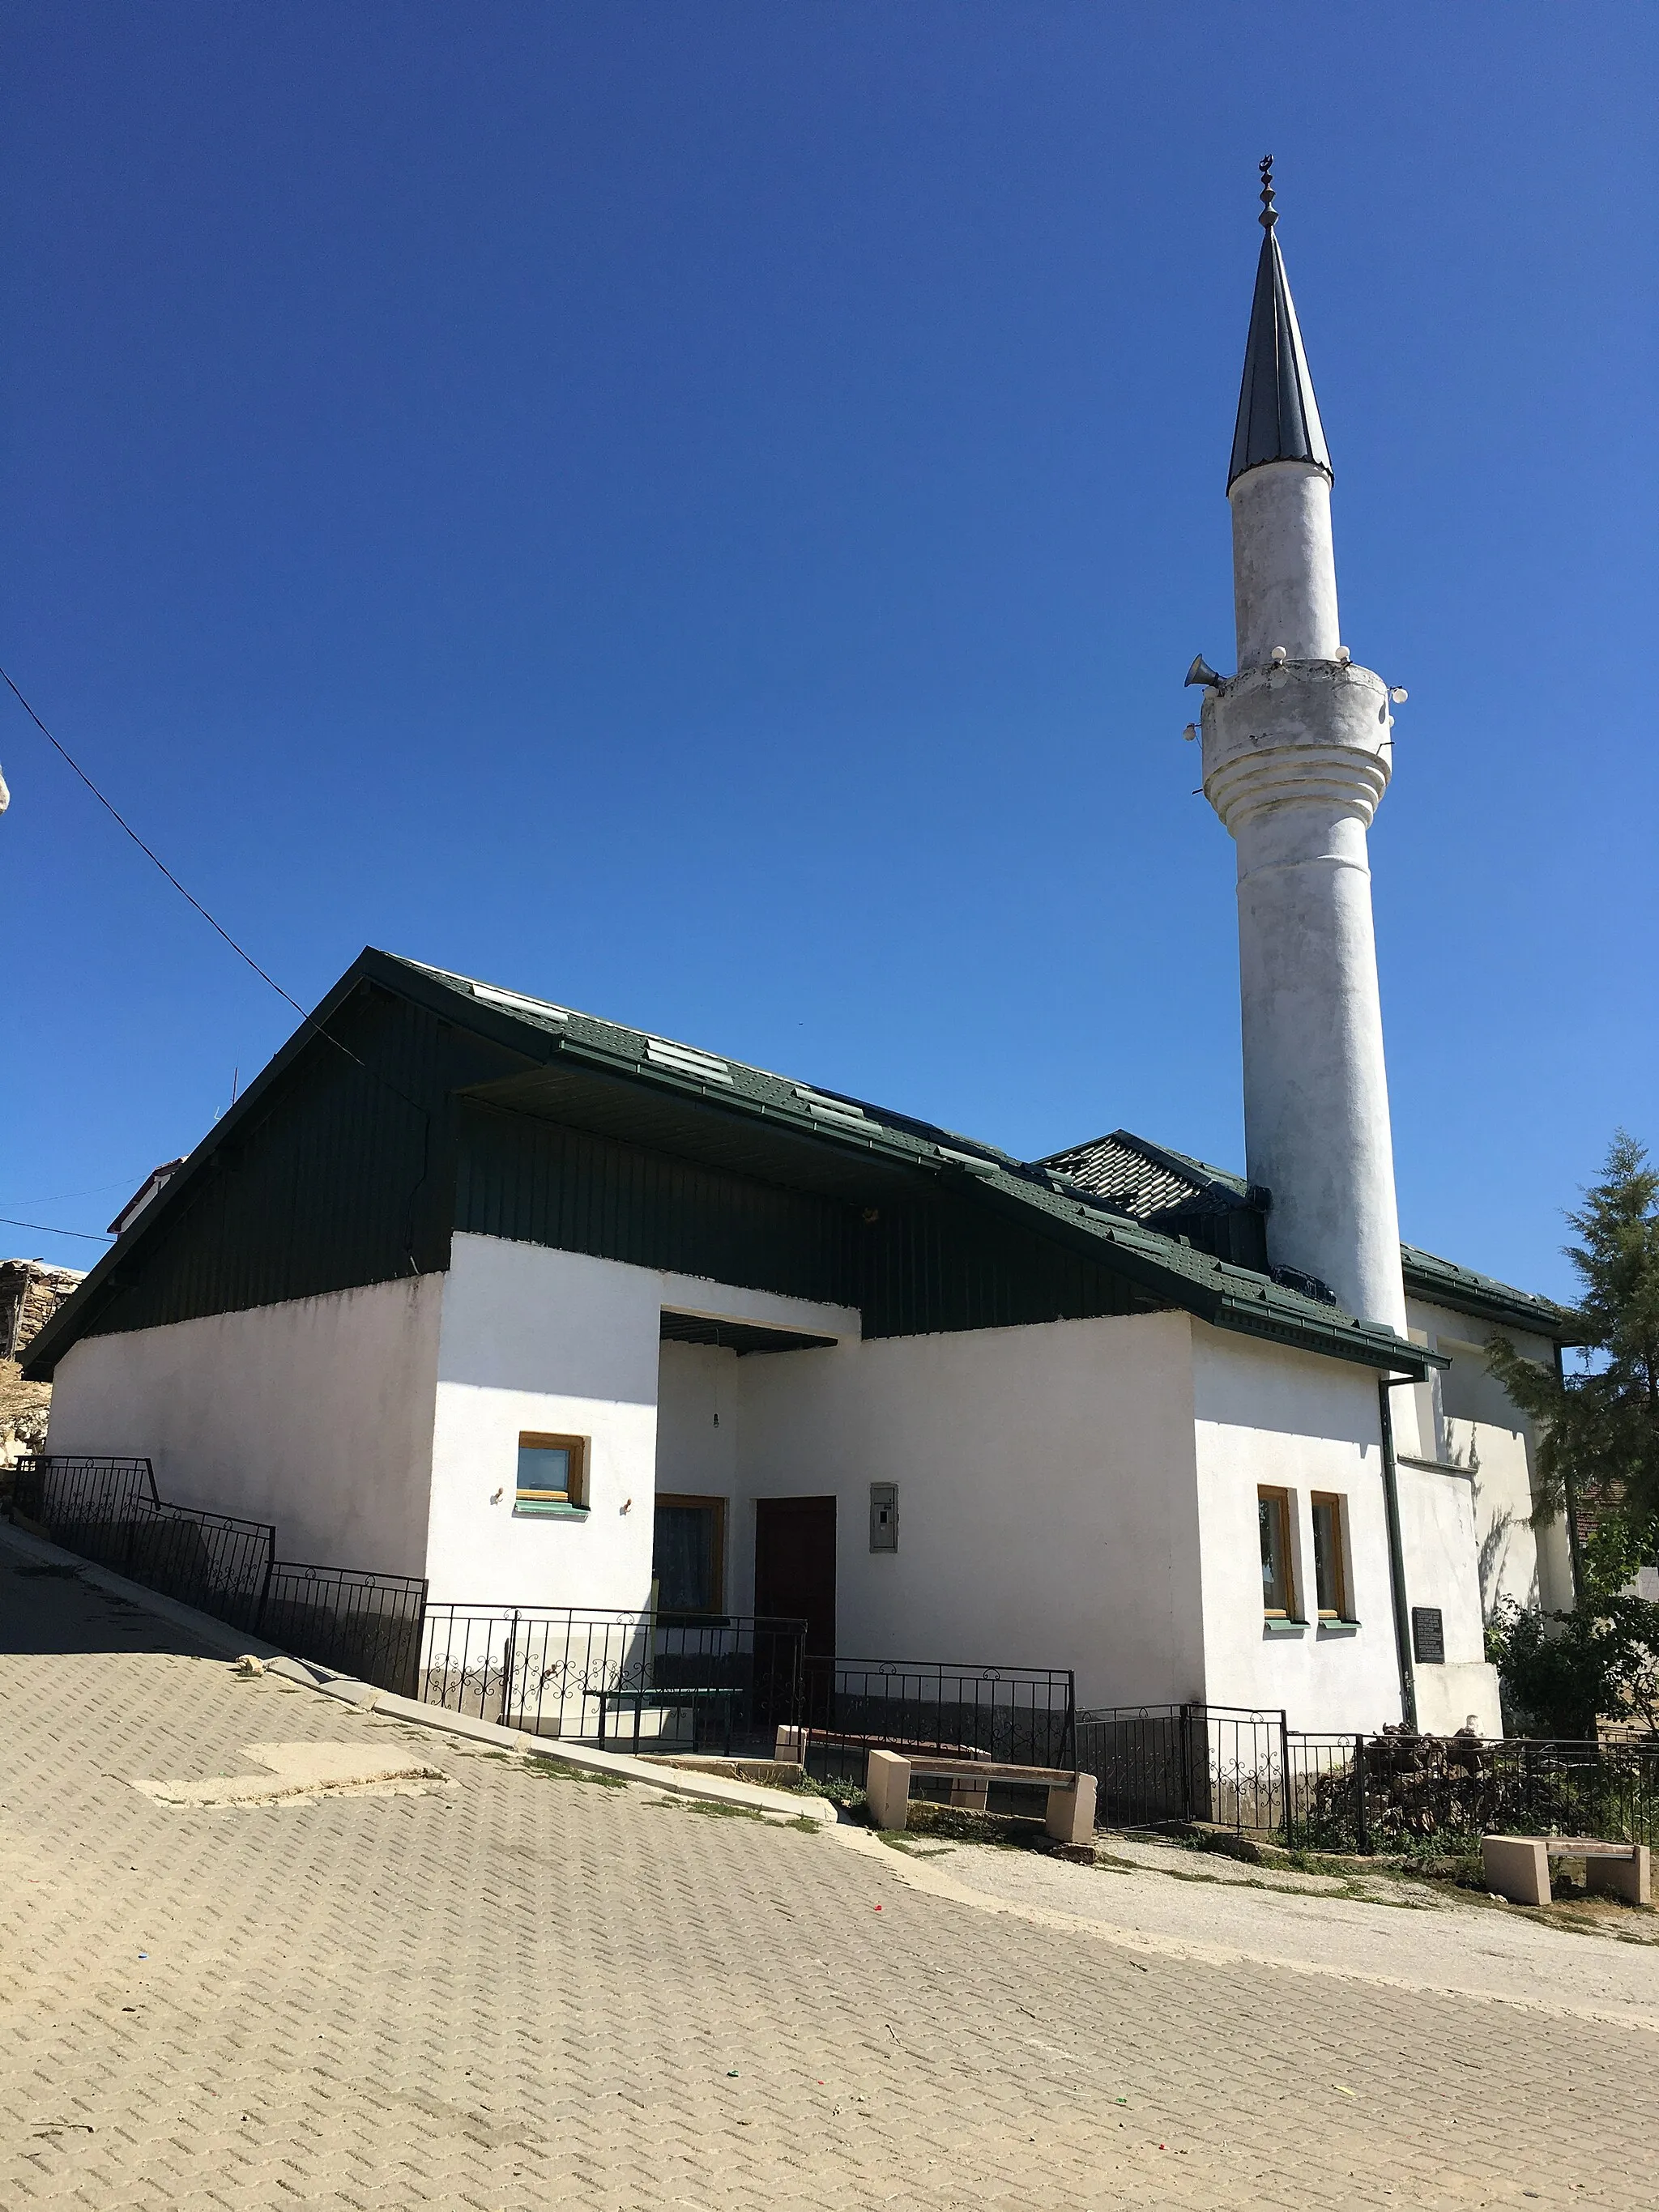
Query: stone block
pixel 1630 1879
pixel 1516 1867
pixel 1072 1812
pixel 887 1786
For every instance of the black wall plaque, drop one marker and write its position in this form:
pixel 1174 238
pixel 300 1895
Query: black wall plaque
pixel 1428 1635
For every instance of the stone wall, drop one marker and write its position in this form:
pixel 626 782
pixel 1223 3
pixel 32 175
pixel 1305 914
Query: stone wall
pixel 30 1293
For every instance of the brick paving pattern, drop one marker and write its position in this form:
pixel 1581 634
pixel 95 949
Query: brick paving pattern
pixel 530 1992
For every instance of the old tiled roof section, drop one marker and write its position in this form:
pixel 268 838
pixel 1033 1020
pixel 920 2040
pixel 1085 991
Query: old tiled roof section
pixel 1149 1181
pixel 1144 1179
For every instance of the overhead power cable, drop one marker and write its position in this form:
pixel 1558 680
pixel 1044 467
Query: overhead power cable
pixel 86 1235
pixel 116 815
pixel 218 927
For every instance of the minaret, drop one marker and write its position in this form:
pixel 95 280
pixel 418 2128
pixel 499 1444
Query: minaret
pixel 1297 748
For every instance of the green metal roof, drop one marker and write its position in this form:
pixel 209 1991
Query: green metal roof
pixel 572 1067
pixel 1155 1184
pixel 1443 1283
pixel 1228 1296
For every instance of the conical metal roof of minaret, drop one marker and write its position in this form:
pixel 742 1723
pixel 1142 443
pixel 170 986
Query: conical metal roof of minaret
pixel 1277 414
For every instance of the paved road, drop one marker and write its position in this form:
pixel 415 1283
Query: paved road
pixel 522 1991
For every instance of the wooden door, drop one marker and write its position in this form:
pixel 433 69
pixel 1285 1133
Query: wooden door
pixel 795 1565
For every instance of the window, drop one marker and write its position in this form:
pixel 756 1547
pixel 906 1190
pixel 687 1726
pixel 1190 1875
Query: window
pixel 1330 1578
pixel 552 1474
pixel 1277 1595
pixel 688 1556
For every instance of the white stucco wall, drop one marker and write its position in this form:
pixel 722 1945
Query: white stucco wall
pixel 1047 1507
pixel 1501 1481
pixel 555 1341
pixel 1465 1403
pixel 1269 1417
pixel 316 1414
pixel 1437 1538
pixel 699 1407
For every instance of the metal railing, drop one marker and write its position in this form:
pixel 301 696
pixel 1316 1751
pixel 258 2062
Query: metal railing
pixel 644 1680
pixel 1224 1765
pixel 1018 1715
pixel 364 1625
pixel 1245 1770
pixel 110 1511
pixel 1391 1791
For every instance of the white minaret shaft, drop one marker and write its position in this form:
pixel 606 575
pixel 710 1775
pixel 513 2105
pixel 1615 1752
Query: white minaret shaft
pixel 1297 755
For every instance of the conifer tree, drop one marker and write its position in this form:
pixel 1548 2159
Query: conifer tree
pixel 1598 1452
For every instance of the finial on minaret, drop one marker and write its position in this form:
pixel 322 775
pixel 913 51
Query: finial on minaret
pixel 1277 414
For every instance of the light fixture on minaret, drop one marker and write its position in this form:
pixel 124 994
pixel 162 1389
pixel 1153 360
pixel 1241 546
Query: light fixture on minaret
pixel 1296 751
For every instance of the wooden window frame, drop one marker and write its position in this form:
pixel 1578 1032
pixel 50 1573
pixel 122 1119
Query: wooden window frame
pixel 574 1497
pixel 1266 1494
pixel 1343 1609
pixel 717 1574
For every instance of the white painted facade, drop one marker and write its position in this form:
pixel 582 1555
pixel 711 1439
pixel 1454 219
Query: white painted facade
pixel 1468 1420
pixel 315 1415
pixel 1078 1493
pixel 1047 1501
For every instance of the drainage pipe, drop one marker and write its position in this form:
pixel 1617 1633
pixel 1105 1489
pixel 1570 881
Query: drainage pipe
pixel 1402 1626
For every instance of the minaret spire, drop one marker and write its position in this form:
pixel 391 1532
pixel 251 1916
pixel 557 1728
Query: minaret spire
pixel 1277 414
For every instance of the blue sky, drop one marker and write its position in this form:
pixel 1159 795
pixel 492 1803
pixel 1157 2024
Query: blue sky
pixel 702 512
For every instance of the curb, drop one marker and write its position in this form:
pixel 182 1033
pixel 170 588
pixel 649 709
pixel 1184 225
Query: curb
pixel 367 1698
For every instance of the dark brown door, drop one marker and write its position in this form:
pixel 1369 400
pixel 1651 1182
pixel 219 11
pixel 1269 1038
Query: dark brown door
pixel 795 1565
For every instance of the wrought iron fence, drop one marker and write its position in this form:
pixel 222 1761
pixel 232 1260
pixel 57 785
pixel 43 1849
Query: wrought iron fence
pixel 109 1511
pixel 365 1624
pixel 1389 1791
pixel 1244 1770
pixel 1222 1765
pixel 1020 1715
pixel 643 1681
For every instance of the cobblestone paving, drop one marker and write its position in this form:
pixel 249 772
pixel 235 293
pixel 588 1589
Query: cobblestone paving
pixel 531 1991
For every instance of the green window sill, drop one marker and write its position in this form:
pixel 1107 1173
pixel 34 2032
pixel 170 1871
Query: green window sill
pixel 536 1509
pixel 1284 1628
pixel 1339 1628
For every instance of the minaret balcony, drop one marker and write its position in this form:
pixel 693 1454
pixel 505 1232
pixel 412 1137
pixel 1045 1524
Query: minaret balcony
pixel 1316 733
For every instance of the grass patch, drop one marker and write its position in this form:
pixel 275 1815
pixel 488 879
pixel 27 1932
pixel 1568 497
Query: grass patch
pixel 715 1811
pixel 848 1797
pixel 561 1769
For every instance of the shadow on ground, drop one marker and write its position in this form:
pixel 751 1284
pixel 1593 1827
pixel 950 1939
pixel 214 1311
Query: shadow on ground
pixel 47 1608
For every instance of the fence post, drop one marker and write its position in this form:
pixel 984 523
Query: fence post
pixel 1186 1762
pixel 506 1665
pixel 1285 1770
pixel 1362 1831
pixel 264 1585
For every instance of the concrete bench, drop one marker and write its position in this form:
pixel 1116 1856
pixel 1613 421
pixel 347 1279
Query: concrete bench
pixel 1518 1867
pixel 1071 1813
pixel 969 1793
